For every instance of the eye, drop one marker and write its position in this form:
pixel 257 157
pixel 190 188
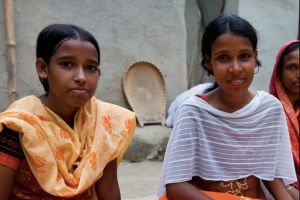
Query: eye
pixel 245 56
pixel 292 68
pixel 66 64
pixel 92 68
pixel 223 58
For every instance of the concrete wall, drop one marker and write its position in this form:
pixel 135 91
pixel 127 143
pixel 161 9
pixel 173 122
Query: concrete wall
pixel 127 31
pixel 199 13
pixel 276 21
pixel 132 30
pixel 3 72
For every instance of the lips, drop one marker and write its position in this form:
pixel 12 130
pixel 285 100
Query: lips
pixel 79 90
pixel 237 81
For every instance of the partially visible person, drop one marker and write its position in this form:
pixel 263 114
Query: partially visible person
pixel 198 89
pixel 228 140
pixel 285 86
pixel 66 143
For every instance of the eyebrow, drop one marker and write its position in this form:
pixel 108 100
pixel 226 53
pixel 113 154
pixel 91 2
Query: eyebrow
pixel 226 51
pixel 72 58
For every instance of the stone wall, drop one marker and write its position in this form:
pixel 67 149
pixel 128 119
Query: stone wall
pixel 127 31
pixel 276 21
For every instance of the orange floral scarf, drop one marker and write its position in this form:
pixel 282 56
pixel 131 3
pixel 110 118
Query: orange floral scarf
pixel 66 161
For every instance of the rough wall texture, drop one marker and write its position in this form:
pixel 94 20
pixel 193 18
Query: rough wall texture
pixel 127 31
pixel 131 30
pixel 3 71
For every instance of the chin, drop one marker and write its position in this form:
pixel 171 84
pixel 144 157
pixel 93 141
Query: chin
pixel 78 104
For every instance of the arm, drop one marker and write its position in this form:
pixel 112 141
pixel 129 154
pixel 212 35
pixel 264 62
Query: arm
pixel 294 192
pixel 277 189
pixel 107 187
pixel 7 181
pixel 184 190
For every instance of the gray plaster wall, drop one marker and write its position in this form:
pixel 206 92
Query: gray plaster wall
pixel 3 71
pixel 132 30
pixel 276 21
pixel 127 31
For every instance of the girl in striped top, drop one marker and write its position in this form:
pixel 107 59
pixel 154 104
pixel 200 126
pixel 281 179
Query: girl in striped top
pixel 228 142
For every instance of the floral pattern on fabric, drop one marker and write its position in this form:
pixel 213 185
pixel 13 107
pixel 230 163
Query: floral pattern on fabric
pixel 64 134
pixel 64 161
pixel 107 124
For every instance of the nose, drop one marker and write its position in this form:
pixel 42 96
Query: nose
pixel 79 76
pixel 235 66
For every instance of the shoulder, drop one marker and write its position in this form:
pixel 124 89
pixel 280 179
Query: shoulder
pixel 28 102
pixel 193 91
pixel 268 99
pixel 269 105
pixel 192 108
pixel 194 102
pixel 114 110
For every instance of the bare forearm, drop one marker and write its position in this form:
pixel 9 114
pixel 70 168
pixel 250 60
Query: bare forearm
pixel 294 193
pixel 277 189
pixel 107 187
pixel 113 194
pixel 179 191
pixel 7 179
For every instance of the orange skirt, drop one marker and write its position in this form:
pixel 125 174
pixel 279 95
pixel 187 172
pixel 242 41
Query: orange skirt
pixel 219 196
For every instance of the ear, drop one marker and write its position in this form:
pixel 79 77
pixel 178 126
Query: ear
pixel 41 68
pixel 256 56
pixel 207 64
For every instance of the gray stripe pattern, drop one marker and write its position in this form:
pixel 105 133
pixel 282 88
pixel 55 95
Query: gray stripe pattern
pixel 216 145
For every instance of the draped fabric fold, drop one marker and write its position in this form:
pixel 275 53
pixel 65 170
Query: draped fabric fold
pixel 216 145
pixel 291 113
pixel 67 161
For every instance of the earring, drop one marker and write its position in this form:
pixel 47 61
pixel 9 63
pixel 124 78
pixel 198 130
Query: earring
pixel 256 70
pixel 42 80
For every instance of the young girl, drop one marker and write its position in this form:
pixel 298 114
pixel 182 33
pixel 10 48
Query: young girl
pixel 65 143
pixel 227 140
pixel 285 86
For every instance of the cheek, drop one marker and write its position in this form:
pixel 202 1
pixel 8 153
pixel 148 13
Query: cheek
pixel 93 81
pixel 251 68
pixel 286 78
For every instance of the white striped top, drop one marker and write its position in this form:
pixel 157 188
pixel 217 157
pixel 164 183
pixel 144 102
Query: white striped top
pixel 221 146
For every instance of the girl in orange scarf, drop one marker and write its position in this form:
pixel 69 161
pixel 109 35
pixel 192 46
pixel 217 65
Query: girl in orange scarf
pixel 285 86
pixel 66 143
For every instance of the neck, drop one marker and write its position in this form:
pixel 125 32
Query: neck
pixel 63 111
pixel 229 102
pixel 294 99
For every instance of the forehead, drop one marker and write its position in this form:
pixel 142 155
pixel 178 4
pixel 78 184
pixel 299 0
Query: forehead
pixel 71 46
pixel 231 42
pixel 75 43
pixel 293 55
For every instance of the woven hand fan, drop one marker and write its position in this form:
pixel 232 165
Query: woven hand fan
pixel 144 88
